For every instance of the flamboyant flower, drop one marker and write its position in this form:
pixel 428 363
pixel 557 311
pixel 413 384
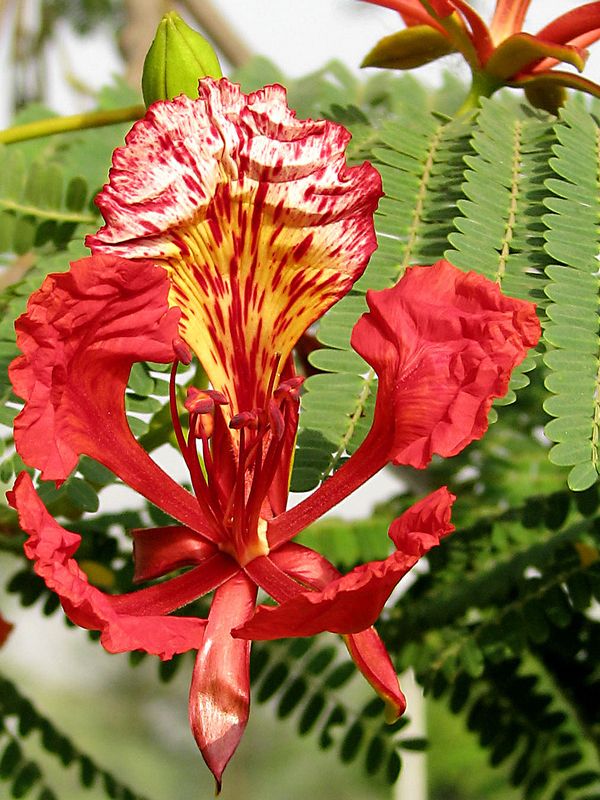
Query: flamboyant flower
pixel 500 54
pixel 230 228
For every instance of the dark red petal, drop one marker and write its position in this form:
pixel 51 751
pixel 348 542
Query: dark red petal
pixel 304 565
pixel 443 343
pixel 51 547
pixel 353 602
pixel 220 690
pixel 157 551
pixel 82 332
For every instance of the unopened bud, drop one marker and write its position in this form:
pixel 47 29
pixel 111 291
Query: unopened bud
pixel 178 57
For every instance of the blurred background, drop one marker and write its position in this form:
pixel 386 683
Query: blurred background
pixel 61 53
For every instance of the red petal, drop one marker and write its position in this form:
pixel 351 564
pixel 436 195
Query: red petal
pixel 353 602
pixel 580 43
pixel 5 629
pixel 157 551
pixel 372 659
pixel 82 332
pixel 411 11
pixel 256 217
pixel 480 33
pixel 304 565
pixel 220 690
pixel 508 18
pixel 574 23
pixel 51 547
pixel 443 343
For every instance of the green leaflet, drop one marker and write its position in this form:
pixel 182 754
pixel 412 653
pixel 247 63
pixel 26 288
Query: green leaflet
pixel 21 773
pixel 573 242
pixel 501 612
pixel 308 679
pixel 37 204
pixel 499 233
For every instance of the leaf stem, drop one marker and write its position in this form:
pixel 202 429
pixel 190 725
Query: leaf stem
pixel 76 122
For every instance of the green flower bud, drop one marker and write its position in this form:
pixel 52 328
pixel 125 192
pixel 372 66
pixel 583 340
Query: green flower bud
pixel 178 57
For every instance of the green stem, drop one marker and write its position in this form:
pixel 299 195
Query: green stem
pixel 482 86
pixel 77 122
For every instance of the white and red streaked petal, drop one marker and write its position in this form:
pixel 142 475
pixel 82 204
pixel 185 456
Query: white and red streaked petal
pixel 51 547
pixel 352 602
pixel 80 335
pixel 219 701
pixel 254 214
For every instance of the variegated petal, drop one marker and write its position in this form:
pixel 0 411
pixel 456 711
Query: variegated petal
pixel 258 220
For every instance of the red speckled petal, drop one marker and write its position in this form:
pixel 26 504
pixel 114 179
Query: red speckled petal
pixel 254 214
pixel 353 602
pixel 82 332
pixel 51 547
pixel 444 344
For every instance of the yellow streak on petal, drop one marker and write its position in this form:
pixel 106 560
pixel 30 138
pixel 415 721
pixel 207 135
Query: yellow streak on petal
pixel 250 278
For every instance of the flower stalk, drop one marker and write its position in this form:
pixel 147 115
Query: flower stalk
pixel 75 122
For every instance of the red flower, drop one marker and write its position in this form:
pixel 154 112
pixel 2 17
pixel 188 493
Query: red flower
pixel 498 55
pixel 242 225
pixel 5 629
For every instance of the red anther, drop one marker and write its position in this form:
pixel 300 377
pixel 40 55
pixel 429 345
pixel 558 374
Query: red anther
pixel 218 397
pixel 182 351
pixel 245 419
pixel 202 401
pixel 276 419
pixel 198 401
pixel 289 387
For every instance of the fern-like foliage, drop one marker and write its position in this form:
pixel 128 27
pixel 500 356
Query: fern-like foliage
pixel 573 242
pixel 37 205
pixel 477 192
pixel 500 629
pixel 309 680
pixel 408 160
pixel 19 718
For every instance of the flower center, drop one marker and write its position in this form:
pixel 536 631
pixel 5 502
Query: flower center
pixel 234 465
